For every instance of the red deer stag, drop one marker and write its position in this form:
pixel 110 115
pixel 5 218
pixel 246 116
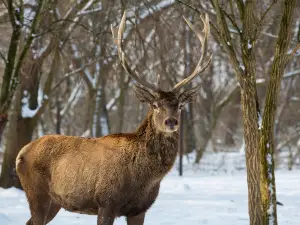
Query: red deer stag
pixel 115 175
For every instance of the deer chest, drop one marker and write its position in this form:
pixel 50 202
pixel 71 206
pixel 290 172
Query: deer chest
pixel 137 201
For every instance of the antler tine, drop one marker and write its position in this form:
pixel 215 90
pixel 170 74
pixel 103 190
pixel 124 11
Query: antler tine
pixel 117 36
pixel 205 59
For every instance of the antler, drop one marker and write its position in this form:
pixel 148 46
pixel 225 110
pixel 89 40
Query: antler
pixel 205 59
pixel 117 35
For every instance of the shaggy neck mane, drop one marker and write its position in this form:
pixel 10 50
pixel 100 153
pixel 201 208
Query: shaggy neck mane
pixel 159 144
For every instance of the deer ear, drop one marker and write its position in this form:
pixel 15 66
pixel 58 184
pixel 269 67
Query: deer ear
pixel 189 95
pixel 143 95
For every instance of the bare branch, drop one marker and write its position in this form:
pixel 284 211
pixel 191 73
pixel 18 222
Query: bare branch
pixel 117 36
pixel 241 7
pixel 205 58
pixel 226 39
pixel 265 13
pixel 232 22
pixel 70 74
pixel 292 54
pixel 291 74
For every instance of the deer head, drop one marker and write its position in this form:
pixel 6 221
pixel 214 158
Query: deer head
pixel 166 105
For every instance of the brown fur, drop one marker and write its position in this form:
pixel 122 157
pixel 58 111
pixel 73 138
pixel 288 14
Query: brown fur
pixel 114 175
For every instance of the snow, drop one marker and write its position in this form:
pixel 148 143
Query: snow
pixel 271 189
pixel 28 12
pixel 291 73
pixel 260 80
pixel 249 45
pixel 104 125
pixel 75 50
pixel 149 36
pixel 197 198
pixel 242 67
pixel 113 100
pixel 26 111
pixel 85 10
pixel 96 112
pixel 89 75
pixel 259 121
pixel 39 52
pixel 74 98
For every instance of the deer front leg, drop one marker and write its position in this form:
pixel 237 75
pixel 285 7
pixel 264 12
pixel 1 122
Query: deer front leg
pixel 136 220
pixel 105 217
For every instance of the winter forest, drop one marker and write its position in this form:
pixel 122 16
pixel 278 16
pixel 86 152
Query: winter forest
pixel 63 71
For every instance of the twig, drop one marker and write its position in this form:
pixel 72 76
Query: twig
pixel 265 13
pixel 232 21
pixel 198 11
pixel 189 6
pixel 70 74
pixel 292 54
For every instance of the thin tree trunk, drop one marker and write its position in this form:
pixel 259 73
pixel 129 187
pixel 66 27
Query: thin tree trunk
pixel 8 72
pixel 121 103
pixel 58 117
pixel 267 181
pixel 181 146
pixel 104 113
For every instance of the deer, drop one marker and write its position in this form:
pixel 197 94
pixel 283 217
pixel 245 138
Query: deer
pixel 116 175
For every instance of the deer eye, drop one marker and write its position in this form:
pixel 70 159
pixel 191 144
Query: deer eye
pixel 180 106
pixel 155 105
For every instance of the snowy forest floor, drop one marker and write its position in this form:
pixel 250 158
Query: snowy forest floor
pixel 197 198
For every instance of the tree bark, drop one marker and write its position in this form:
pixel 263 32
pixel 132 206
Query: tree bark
pixel 20 130
pixel 19 133
pixel 11 58
pixel 267 178
pixel 246 76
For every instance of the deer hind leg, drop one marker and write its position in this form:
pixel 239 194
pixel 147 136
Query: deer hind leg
pixel 45 215
pixel 136 220
pixel 53 210
pixel 40 206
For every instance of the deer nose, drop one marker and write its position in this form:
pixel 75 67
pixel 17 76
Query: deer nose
pixel 171 122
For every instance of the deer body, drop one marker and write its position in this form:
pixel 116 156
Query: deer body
pixel 120 171
pixel 115 175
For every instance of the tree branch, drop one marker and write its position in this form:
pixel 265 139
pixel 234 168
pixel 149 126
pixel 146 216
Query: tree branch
pixel 226 39
pixel 15 77
pixel 3 57
pixel 292 54
pixel 232 22
pixel 241 8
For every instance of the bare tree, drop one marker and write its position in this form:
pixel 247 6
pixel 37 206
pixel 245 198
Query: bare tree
pixel 240 18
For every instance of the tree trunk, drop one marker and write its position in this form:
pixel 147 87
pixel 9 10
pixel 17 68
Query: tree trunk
pixel 8 73
pixel 251 136
pixel 3 122
pixel 202 144
pixel 20 130
pixel 121 103
pixel 19 133
pixel 267 178
pixel 251 112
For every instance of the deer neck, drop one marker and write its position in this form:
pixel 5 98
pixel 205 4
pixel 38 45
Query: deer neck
pixel 160 146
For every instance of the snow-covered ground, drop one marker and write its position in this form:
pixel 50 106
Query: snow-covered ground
pixel 198 198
